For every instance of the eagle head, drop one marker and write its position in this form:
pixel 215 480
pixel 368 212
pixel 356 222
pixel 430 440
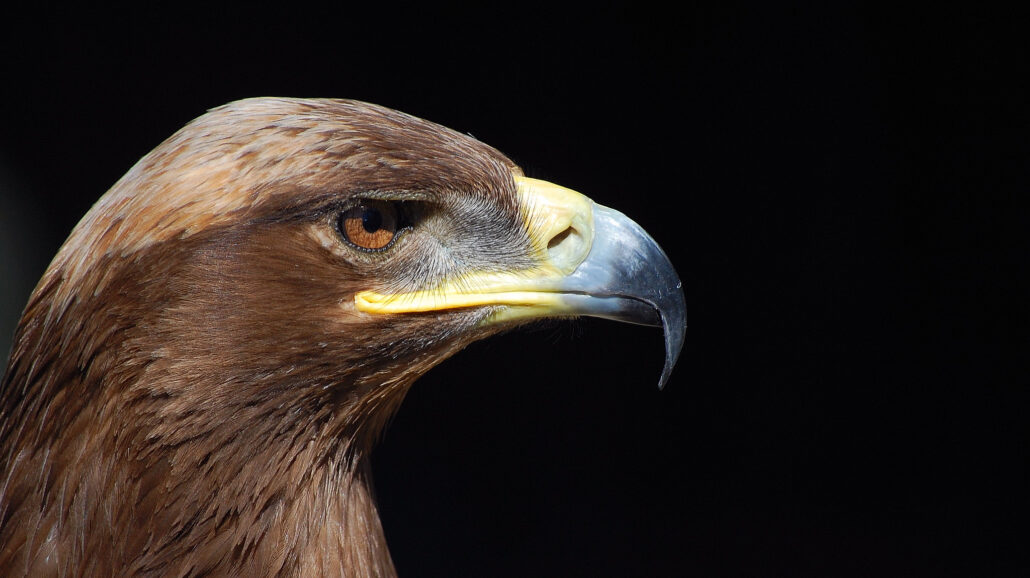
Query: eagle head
pixel 202 370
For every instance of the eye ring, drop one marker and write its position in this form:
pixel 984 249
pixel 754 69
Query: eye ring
pixel 370 226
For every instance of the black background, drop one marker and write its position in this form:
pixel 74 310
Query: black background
pixel 839 188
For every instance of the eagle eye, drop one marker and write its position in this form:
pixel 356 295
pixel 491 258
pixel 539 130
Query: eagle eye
pixel 372 225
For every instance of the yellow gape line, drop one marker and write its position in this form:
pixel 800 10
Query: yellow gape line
pixel 560 225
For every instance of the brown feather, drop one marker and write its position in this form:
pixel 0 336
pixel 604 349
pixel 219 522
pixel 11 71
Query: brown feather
pixel 191 391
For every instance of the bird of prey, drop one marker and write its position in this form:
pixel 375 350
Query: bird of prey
pixel 199 376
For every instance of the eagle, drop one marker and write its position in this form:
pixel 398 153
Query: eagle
pixel 200 375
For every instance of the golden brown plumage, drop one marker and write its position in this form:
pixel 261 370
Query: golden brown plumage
pixel 194 386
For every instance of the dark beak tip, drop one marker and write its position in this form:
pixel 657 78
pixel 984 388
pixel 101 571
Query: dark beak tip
pixel 674 326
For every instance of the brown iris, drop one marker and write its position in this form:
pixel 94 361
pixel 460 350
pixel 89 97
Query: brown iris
pixel 371 225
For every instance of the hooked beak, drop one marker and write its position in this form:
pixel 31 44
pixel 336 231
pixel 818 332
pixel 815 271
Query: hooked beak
pixel 594 261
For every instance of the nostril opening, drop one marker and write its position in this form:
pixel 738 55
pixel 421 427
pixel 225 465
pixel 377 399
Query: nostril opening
pixel 557 239
pixel 565 249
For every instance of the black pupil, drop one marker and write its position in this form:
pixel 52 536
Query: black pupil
pixel 371 219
